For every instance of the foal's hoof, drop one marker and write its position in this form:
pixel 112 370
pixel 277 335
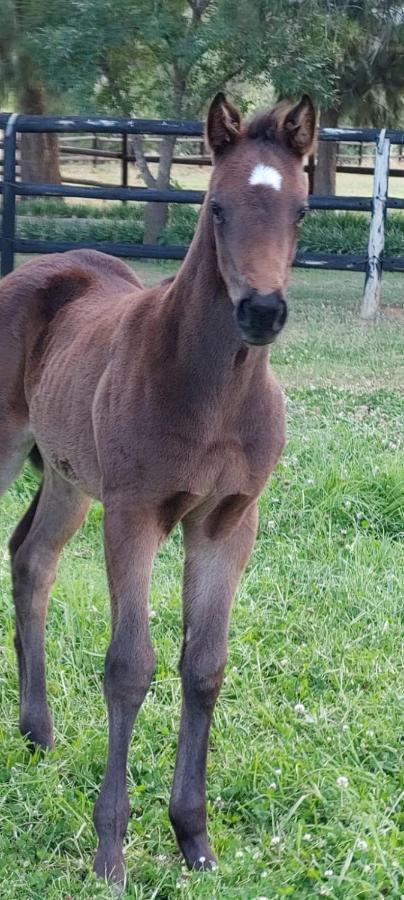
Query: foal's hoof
pixel 197 854
pixel 109 866
pixel 37 733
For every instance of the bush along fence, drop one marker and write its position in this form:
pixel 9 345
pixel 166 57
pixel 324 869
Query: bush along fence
pixel 372 263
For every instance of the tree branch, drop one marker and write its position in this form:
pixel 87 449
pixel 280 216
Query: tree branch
pixel 198 8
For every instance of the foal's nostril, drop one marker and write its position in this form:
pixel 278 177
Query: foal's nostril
pixel 269 309
pixel 280 316
pixel 242 311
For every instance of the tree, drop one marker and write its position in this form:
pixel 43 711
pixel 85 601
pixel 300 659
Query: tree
pixel 168 58
pixel 367 69
pixel 19 75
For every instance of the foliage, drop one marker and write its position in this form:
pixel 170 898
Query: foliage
pixel 367 64
pixel 170 58
pixel 336 232
pixel 22 22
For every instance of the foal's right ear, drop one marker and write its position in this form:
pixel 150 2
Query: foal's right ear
pixel 223 124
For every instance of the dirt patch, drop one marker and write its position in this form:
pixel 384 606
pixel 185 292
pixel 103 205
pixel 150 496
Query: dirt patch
pixel 393 312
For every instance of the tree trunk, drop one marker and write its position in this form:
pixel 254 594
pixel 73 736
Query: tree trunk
pixel 156 214
pixel 325 174
pixel 39 153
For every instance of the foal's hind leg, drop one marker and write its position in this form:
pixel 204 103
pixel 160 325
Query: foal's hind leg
pixel 15 444
pixel 213 566
pixel 55 514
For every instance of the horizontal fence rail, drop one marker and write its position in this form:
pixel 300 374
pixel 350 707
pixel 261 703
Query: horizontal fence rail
pixel 372 263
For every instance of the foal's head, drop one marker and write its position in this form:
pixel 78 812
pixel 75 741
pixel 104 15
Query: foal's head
pixel 257 198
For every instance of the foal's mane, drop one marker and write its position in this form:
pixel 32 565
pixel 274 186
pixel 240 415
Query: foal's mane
pixel 267 123
pixel 286 124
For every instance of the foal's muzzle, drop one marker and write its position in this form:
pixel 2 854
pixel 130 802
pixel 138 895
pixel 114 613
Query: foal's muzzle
pixel 261 317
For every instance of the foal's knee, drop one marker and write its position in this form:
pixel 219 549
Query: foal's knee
pixel 202 679
pixel 128 674
pixel 31 566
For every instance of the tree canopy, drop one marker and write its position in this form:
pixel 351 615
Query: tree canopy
pixel 169 57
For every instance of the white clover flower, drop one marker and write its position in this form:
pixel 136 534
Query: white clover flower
pixel 238 854
pixel 361 844
pixel 273 786
pixel 299 709
pixel 307 836
pixel 275 841
pixel 278 771
pixel 342 781
pixel 328 873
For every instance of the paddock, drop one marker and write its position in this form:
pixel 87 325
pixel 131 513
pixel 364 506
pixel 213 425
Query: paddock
pixel 304 773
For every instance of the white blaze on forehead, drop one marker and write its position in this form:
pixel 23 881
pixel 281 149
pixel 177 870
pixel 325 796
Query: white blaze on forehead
pixel 266 175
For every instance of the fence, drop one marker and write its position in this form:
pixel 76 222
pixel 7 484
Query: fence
pixel 372 263
pixel 118 149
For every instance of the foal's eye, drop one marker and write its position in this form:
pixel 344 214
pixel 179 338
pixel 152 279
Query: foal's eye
pixel 301 214
pixel 218 212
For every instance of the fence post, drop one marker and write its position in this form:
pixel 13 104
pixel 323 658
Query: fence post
pixel 373 277
pixel 124 170
pixel 8 217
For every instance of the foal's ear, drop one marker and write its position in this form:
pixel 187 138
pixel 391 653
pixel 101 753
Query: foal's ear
pixel 299 126
pixel 223 124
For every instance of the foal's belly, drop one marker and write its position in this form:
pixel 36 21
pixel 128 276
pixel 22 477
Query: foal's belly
pixel 60 410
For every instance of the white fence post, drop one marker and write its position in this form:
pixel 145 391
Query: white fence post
pixel 373 278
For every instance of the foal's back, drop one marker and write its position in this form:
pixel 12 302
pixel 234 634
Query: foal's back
pixel 35 301
pixel 58 316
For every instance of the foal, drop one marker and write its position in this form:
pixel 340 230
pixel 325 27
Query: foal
pixel 159 403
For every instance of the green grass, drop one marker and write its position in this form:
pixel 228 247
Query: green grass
pixel 314 687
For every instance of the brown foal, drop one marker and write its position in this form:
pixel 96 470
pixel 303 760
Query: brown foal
pixel 159 403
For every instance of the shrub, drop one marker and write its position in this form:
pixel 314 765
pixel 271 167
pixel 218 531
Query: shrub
pixel 335 232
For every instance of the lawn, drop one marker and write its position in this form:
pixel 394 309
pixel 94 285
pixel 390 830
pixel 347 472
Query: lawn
pixel 305 796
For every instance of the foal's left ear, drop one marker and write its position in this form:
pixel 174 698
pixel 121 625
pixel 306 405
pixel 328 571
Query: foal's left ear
pixel 299 126
pixel 223 124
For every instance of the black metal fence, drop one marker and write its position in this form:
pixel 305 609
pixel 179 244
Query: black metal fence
pixel 121 150
pixel 11 244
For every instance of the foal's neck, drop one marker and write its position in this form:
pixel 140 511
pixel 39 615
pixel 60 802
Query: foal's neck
pixel 209 346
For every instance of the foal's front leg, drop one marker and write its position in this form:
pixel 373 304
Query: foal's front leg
pixel 131 540
pixel 213 567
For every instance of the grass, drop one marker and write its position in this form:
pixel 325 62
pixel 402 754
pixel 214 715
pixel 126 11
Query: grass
pixel 305 770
